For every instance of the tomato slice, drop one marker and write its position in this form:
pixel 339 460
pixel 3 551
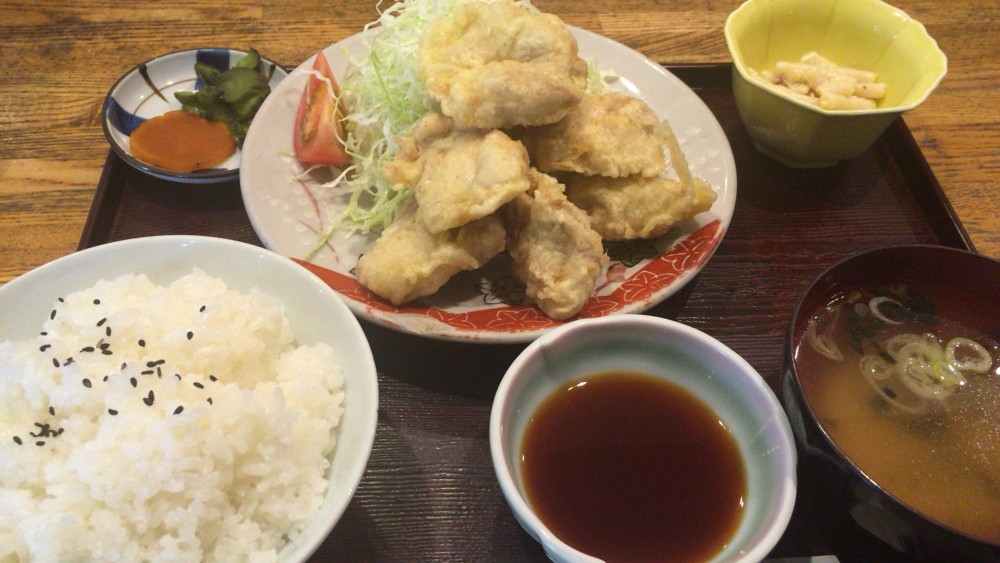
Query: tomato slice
pixel 319 122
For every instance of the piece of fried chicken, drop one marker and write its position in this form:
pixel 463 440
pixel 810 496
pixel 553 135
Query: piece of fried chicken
pixel 458 176
pixel 408 261
pixel 637 207
pixel 552 248
pixel 497 65
pixel 610 135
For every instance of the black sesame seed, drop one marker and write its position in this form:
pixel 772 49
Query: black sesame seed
pixel 133 381
pixel 178 410
pixel 43 333
pixel 68 361
pixel 18 441
pixel 97 301
pixel 52 411
pixel 104 346
pixel 107 331
pixel 198 385
pixel 44 347
pixel 178 376
pixel 213 378
pixel 202 309
pixel 52 315
pixel 147 372
pixel 123 365
pixel 44 431
pixel 112 412
pixel 148 399
pixel 87 383
pixel 107 352
pixel 87 349
pixel 142 343
pixel 190 335
pixel 102 321
pixel 159 372
pixel 55 362
pixel 61 300
pixel 209 400
pixel 40 443
pixel 105 378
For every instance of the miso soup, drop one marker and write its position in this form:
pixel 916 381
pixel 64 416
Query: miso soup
pixel 909 389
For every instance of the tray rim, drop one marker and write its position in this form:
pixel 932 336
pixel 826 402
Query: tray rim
pixel 897 143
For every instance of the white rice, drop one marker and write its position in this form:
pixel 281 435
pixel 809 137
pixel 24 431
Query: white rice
pixel 228 480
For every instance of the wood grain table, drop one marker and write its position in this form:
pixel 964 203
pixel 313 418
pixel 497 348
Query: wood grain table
pixel 59 59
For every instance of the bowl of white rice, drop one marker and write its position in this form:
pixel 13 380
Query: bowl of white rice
pixel 178 398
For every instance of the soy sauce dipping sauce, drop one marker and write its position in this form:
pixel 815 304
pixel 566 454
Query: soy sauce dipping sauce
pixel 625 466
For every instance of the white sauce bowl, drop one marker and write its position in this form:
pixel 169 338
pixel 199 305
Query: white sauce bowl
pixel 675 353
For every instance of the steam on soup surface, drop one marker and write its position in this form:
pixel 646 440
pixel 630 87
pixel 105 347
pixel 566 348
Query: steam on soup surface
pixel 909 389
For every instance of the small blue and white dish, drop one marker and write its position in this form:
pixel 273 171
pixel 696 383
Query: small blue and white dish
pixel 147 90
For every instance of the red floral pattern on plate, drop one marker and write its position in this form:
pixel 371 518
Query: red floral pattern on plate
pixel 638 290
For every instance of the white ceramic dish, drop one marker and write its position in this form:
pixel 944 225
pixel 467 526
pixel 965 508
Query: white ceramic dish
pixel 316 314
pixel 676 353
pixel 288 212
pixel 147 90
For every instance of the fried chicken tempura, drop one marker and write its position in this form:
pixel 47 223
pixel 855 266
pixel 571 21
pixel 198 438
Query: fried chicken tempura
pixel 637 207
pixel 408 261
pixel 610 135
pixel 500 70
pixel 458 176
pixel 497 65
pixel 553 249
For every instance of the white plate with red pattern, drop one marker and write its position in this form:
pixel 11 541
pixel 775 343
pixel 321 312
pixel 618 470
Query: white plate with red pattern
pixel 289 211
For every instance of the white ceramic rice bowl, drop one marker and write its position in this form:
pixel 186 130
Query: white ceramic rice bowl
pixel 316 314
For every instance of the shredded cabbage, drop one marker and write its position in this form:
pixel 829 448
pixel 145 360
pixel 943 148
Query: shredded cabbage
pixel 384 96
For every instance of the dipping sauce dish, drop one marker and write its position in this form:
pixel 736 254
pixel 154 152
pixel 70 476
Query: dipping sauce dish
pixel 671 358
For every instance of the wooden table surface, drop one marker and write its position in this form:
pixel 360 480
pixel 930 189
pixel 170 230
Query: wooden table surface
pixel 59 59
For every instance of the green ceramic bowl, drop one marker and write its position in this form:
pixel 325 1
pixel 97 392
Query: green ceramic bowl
pixel 863 34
